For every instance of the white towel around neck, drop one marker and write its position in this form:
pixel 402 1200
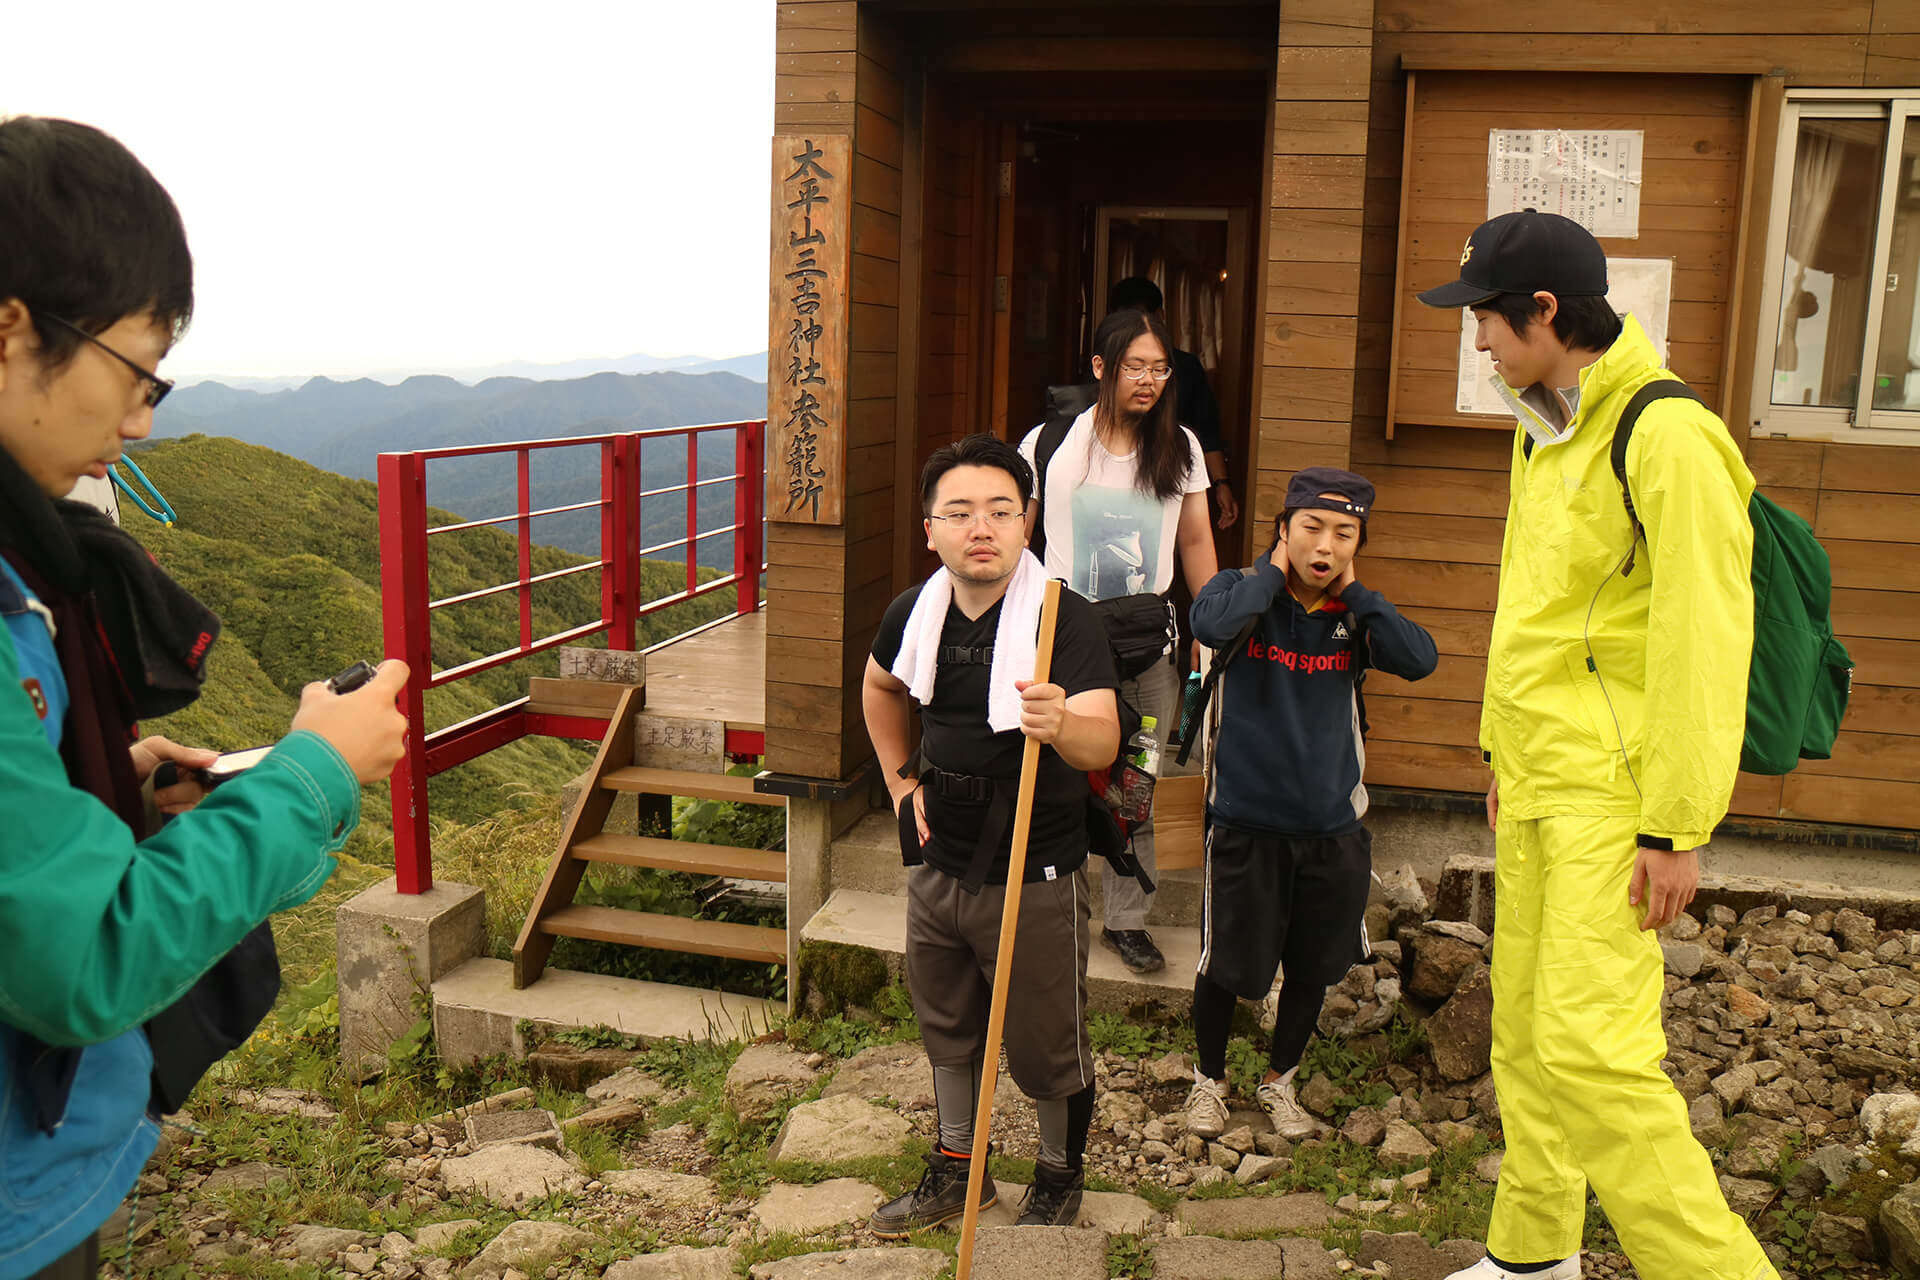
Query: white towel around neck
pixel 1016 640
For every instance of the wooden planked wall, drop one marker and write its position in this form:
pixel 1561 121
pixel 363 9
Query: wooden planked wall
pixel 1435 541
pixel 1313 241
pixel 1695 131
pixel 841 70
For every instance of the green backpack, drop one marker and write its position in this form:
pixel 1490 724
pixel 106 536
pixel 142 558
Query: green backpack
pixel 1800 677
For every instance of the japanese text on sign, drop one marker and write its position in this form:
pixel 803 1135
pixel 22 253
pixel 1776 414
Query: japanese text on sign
pixel 805 471
pixel 1591 176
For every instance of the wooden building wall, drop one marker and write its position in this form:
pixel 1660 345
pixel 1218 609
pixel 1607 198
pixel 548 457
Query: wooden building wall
pixel 1443 489
pixel 840 71
pixel 925 249
pixel 1313 246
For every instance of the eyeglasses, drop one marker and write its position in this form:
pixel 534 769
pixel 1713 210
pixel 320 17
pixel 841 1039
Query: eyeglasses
pixel 966 519
pixel 155 387
pixel 1135 372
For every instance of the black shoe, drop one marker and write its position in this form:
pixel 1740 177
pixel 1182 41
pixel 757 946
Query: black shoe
pixel 1136 949
pixel 941 1196
pixel 1054 1198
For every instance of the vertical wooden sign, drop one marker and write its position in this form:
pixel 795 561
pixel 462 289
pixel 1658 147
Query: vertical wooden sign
pixel 807 340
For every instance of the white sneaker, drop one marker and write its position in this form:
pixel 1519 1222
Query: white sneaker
pixel 1486 1269
pixel 1206 1107
pixel 1290 1119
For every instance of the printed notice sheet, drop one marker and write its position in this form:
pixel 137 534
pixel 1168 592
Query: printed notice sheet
pixel 1642 287
pixel 1591 176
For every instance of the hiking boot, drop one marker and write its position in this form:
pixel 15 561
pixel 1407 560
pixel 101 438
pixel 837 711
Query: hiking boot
pixel 1136 949
pixel 1206 1107
pixel 940 1197
pixel 1487 1269
pixel 1054 1198
pixel 1290 1119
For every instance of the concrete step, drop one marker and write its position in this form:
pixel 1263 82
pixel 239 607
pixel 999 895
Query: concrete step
pixel 477 1012
pixel 669 933
pixel 867 858
pixel 878 922
pixel 687 782
pixel 684 855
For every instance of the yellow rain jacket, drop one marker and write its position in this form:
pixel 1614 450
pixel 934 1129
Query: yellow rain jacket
pixel 1622 695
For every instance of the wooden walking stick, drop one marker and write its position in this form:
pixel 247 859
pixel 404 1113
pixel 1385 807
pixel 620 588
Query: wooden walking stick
pixel 1003 962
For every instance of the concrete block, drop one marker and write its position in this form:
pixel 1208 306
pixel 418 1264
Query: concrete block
pixel 610 666
pixel 534 1128
pixel 477 1012
pixel 391 948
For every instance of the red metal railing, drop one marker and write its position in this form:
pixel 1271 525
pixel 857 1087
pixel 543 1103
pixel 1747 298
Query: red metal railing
pixel 407 605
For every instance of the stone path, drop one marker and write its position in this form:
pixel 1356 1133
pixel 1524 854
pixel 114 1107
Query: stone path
pixel 1791 1038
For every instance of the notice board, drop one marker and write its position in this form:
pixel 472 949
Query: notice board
pixel 1685 137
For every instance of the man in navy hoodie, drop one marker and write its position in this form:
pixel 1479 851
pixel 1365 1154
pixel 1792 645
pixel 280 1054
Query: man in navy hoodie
pixel 1288 862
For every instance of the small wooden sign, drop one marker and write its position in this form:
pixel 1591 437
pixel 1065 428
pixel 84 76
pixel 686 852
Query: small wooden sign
pixel 807 335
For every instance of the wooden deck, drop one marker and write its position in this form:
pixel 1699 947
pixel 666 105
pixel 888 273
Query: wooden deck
pixel 716 674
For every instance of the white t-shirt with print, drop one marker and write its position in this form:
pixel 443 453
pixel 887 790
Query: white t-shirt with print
pixel 1106 537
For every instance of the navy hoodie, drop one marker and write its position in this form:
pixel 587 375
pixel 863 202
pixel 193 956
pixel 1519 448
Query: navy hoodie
pixel 1289 754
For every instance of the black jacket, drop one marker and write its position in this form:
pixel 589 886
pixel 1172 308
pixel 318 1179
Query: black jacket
pixel 1289 754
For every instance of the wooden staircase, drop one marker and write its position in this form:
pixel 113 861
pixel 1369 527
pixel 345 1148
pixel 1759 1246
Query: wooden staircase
pixel 554 914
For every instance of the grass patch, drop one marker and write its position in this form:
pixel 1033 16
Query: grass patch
pixel 1355 1073
pixel 889 1020
pixel 894 1175
pixel 1129 1258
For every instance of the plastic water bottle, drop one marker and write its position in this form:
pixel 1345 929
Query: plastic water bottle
pixel 1135 787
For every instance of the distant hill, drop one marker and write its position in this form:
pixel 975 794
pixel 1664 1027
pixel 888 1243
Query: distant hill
pixel 288 556
pixel 343 427
pixel 752 366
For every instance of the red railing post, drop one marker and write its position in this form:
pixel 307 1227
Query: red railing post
pixel 620 538
pixel 749 490
pixel 404 595
pixel 693 511
pixel 524 470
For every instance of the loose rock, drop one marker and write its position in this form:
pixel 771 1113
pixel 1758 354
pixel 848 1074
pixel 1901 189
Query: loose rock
pixel 526 1246
pixel 839 1128
pixel 764 1076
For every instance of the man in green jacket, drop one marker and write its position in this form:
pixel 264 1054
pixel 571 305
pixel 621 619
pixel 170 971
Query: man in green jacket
pixel 1612 720
pixel 108 923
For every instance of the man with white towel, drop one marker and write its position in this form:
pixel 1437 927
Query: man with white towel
pixel 962 647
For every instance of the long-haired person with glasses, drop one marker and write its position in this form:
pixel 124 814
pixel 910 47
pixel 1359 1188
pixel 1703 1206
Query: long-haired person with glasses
pixel 1123 497
pixel 111 920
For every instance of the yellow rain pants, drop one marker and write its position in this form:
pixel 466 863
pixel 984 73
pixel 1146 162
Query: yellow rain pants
pixel 1577 1046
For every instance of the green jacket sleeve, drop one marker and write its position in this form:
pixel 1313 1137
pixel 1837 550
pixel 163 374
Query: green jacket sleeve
pixel 1691 487
pixel 103 931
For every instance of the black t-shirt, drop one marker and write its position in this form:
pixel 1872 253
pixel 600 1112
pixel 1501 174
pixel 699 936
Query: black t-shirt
pixel 955 737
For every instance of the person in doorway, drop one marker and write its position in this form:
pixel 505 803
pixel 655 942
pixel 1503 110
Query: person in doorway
pixel 1125 499
pixel 108 920
pixel 1613 716
pixel 962 647
pixel 1288 861
pixel 1193 401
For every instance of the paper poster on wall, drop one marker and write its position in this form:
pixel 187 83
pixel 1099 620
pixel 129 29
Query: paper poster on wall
pixel 1642 287
pixel 1589 175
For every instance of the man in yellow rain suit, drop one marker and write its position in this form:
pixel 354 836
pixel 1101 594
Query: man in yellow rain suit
pixel 1615 701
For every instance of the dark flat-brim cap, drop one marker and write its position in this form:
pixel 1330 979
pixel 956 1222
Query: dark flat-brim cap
pixel 1526 252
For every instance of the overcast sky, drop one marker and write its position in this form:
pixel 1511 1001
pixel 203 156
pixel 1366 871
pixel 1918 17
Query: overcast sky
pixel 412 184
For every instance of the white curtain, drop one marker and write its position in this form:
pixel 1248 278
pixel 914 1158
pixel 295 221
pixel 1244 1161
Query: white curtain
pixel 1816 173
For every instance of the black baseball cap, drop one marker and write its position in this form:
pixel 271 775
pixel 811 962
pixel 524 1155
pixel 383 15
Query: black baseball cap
pixel 1305 491
pixel 1527 252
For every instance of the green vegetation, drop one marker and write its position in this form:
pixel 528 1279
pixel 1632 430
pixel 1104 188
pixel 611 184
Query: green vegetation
pixel 289 557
